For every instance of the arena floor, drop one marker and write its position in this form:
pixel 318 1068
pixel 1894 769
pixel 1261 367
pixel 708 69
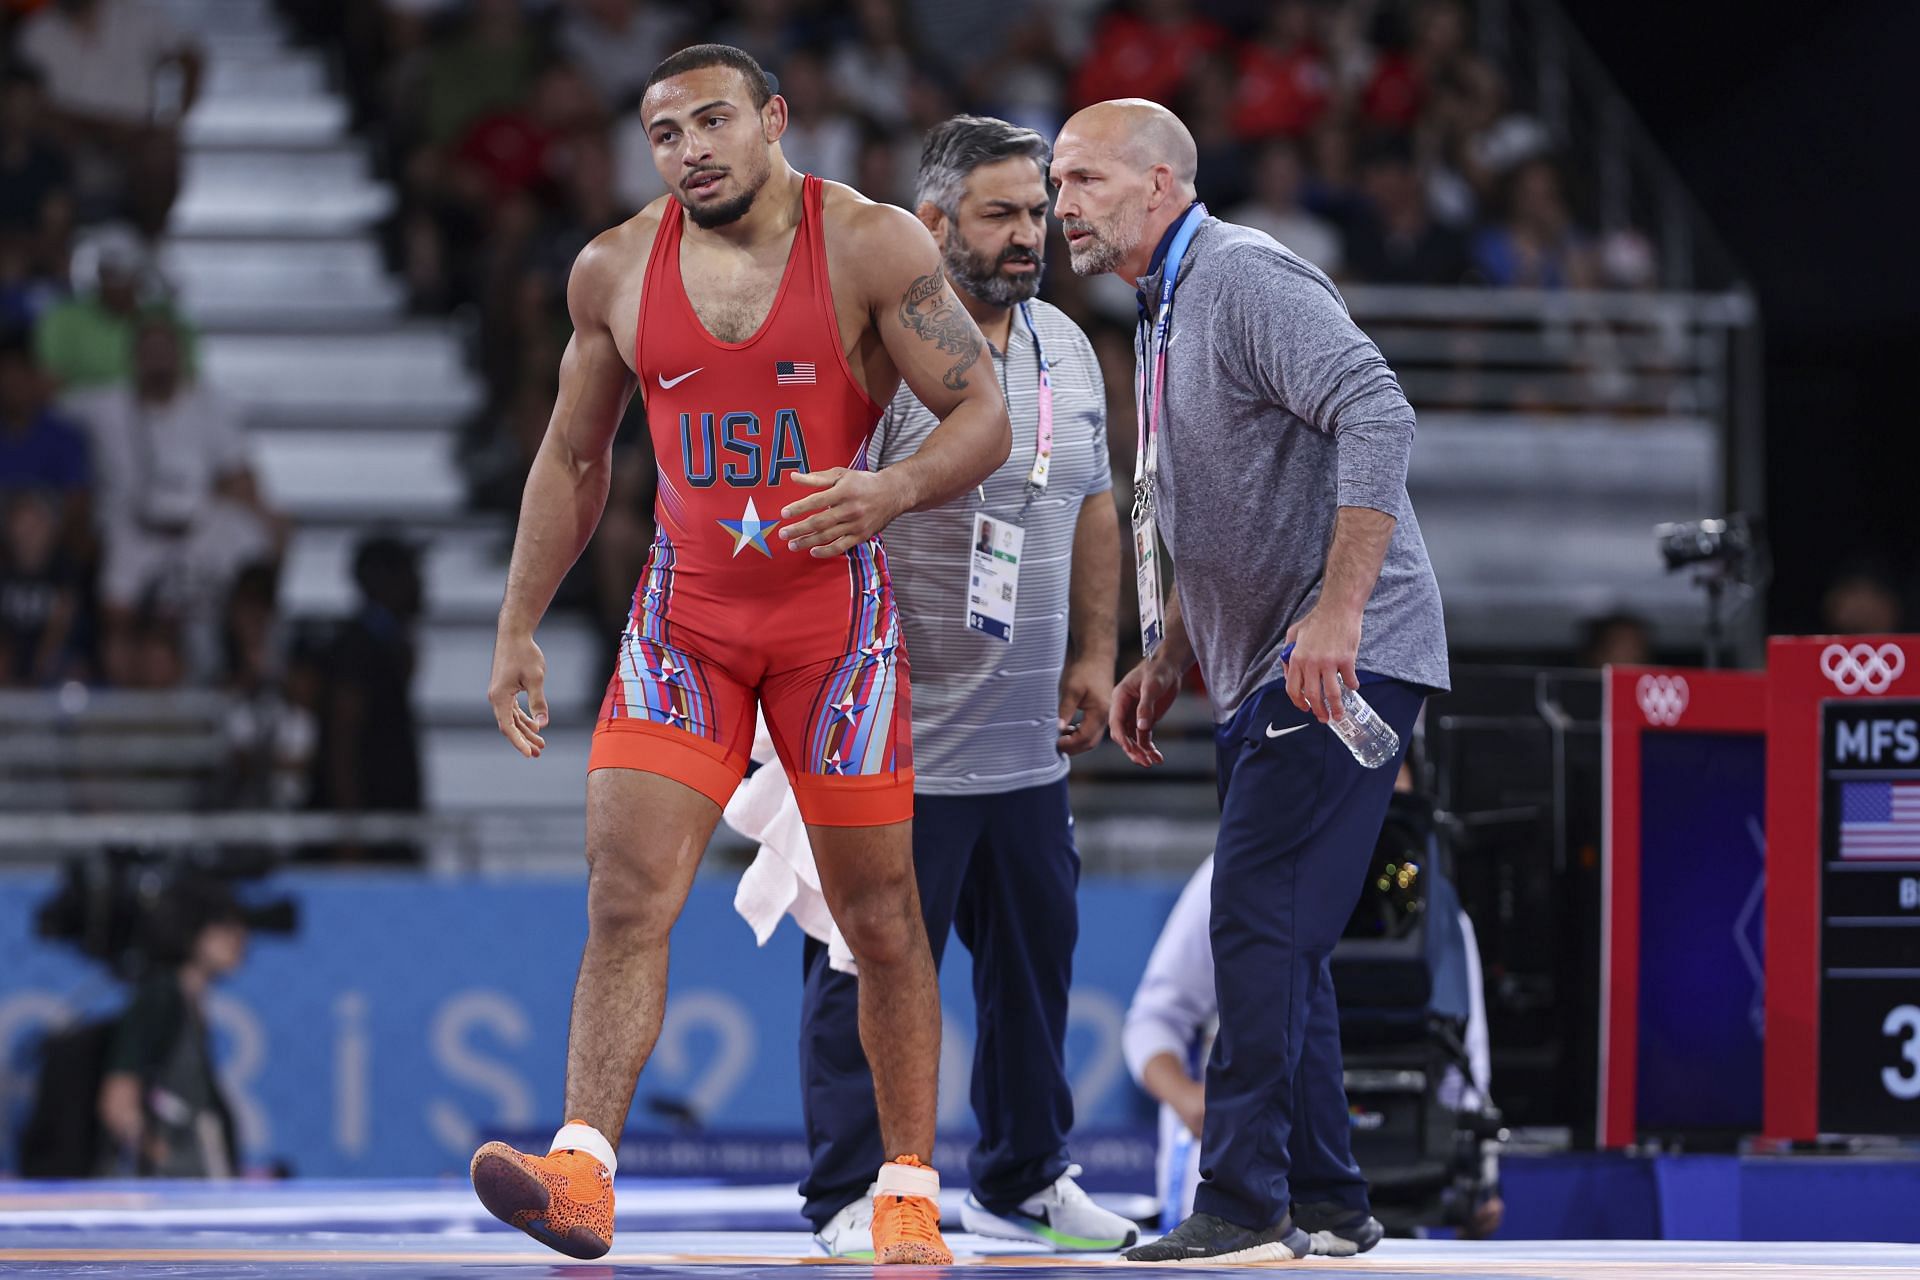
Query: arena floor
pixel 417 1231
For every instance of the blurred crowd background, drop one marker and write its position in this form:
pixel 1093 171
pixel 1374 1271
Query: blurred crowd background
pixel 141 551
pixel 281 313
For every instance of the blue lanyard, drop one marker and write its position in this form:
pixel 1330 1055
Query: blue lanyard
pixel 1153 353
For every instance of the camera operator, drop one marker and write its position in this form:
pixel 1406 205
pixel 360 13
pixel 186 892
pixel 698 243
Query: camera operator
pixel 160 1102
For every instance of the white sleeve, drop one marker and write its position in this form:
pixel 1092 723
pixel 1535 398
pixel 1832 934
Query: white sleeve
pixel 1176 994
pixel 226 435
pixel 1479 1051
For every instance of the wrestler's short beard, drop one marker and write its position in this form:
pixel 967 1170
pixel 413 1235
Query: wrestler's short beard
pixel 973 274
pixel 1110 242
pixel 707 217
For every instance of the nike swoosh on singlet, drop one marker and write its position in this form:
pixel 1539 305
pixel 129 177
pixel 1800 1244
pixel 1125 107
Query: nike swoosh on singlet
pixel 1281 733
pixel 667 383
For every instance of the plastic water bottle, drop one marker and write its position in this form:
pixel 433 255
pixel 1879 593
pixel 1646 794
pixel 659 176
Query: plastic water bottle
pixel 1371 739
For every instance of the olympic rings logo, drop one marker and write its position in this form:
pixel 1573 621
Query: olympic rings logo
pixel 1862 668
pixel 1662 698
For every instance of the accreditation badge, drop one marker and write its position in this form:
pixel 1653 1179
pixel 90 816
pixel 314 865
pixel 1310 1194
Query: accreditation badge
pixel 1146 576
pixel 993 576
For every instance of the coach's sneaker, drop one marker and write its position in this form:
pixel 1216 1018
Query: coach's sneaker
pixel 1337 1231
pixel 1061 1217
pixel 563 1199
pixel 849 1233
pixel 906 1215
pixel 1205 1238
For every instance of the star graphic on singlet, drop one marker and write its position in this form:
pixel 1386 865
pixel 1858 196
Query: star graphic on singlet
pixel 675 716
pixel 871 591
pixel 666 672
pixel 842 767
pixel 750 531
pixel 651 596
pixel 848 710
pixel 876 649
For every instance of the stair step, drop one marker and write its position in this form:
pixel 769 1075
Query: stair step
pixel 455 660
pixel 371 474
pixel 474 768
pixel 283 285
pixel 464 569
pixel 287 75
pixel 362 377
pixel 310 124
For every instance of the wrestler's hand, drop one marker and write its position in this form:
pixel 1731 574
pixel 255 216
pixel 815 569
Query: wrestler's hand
pixel 850 508
pixel 519 667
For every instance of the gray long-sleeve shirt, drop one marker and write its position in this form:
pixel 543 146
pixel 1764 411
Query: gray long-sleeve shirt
pixel 1277 411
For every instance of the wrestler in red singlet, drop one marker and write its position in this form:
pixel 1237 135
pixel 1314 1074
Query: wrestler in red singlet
pixel 766 587
pixel 726 612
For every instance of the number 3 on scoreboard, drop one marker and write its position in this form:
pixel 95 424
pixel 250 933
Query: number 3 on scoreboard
pixel 1904 1085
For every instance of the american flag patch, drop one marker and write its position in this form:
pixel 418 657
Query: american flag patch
pixel 790 373
pixel 1880 820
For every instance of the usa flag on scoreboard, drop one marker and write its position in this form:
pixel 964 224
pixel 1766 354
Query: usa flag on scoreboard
pixel 1880 820
pixel 787 373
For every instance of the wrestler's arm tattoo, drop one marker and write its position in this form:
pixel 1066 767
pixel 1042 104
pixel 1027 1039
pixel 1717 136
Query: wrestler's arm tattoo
pixel 932 312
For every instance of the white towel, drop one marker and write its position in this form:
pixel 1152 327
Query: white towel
pixel 782 880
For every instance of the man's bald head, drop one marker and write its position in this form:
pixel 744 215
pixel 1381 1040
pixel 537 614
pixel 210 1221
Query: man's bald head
pixel 1143 132
pixel 1125 170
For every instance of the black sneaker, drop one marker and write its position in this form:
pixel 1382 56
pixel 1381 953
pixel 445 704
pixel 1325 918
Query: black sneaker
pixel 1205 1238
pixel 1337 1231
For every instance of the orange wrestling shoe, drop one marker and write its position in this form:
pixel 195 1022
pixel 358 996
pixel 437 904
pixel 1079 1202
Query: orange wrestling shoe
pixel 906 1215
pixel 563 1200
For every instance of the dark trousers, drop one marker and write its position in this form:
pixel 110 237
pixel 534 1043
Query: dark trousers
pixel 1001 871
pixel 1298 821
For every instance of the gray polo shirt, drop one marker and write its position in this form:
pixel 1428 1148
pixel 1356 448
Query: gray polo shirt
pixel 1278 411
pixel 986 711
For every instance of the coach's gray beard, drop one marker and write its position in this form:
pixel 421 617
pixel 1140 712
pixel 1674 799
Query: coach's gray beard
pixel 1110 242
pixel 971 272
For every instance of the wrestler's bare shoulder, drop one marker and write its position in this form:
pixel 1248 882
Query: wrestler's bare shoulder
pixel 874 238
pixel 609 273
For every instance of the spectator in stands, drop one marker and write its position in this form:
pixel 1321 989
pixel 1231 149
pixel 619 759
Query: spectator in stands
pixel 151 648
pixel 369 753
pixel 1145 50
pixel 271 727
pixel 617 43
pixel 1395 239
pixel 161 1100
pixel 1207 106
pixel 36 177
pixel 180 511
pixel 1499 139
pixel 485 68
pixel 1024 83
pixel 39 448
pixel 1619 639
pixel 39 594
pixel 1861 601
pixel 87 341
pixel 1284 85
pixel 27 290
pixel 886 165
pixel 1332 185
pixel 1537 246
pixel 121 77
pixel 821 139
pixel 873 67
pixel 487 65
pixel 764 28
pixel 1276 210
